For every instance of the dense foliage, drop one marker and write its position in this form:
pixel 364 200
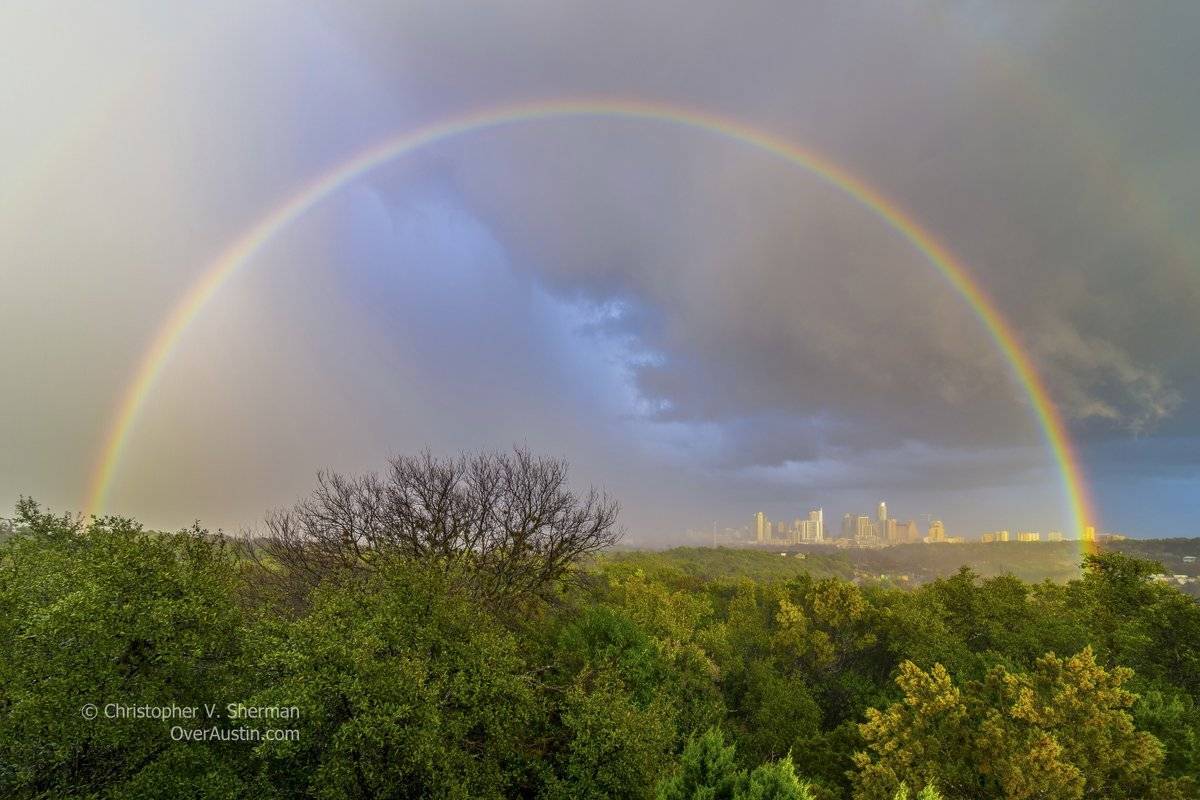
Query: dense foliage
pixel 635 679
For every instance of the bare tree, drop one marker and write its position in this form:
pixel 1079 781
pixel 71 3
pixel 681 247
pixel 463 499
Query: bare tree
pixel 508 522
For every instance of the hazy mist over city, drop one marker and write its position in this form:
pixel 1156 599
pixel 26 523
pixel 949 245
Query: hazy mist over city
pixel 699 324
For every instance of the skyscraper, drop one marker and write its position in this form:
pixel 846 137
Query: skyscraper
pixel 847 525
pixel 864 531
pixel 882 511
pixel 937 532
pixel 891 531
pixel 816 522
pixel 760 528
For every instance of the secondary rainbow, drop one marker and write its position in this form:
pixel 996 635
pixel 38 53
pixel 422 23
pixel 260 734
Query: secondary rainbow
pixel 242 250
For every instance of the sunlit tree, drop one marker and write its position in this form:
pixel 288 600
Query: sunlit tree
pixel 1062 731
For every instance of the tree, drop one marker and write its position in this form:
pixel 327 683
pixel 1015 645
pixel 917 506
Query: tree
pixel 775 781
pixel 928 793
pixel 618 709
pixel 1174 719
pixel 613 746
pixel 405 688
pixel 675 620
pixel 1063 731
pixel 507 522
pixel 777 713
pixel 708 771
pixel 111 615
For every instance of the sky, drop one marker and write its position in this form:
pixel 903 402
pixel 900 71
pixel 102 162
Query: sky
pixel 700 328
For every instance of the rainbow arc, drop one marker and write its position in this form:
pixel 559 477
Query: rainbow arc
pixel 240 253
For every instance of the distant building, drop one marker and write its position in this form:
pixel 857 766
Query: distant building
pixel 816 520
pixel 937 532
pixel 847 526
pixel 1054 536
pixel 1111 537
pixel 995 536
pixel 882 515
pixel 1089 533
pixel 891 531
pixel 760 528
pixel 864 531
pixel 809 530
pixel 910 533
pixel 1028 536
pixel 956 540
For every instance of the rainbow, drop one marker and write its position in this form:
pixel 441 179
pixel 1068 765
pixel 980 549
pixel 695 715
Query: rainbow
pixel 242 250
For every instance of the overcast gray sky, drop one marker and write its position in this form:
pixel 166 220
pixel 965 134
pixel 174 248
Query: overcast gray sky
pixel 693 324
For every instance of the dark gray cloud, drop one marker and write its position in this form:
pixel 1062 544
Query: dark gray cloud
pixel 775 294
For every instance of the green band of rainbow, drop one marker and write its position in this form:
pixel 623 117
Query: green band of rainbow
pixel 241 251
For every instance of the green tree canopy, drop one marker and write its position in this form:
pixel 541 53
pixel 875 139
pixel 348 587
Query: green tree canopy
pixel 1062 731
pixel 708 771
pixel 406 689
pixel 775 781
pixel 110 615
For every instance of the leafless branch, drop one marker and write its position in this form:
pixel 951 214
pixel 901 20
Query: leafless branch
pixel 508 522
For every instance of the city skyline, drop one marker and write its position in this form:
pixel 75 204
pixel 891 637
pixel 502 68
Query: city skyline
pixel 861 530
